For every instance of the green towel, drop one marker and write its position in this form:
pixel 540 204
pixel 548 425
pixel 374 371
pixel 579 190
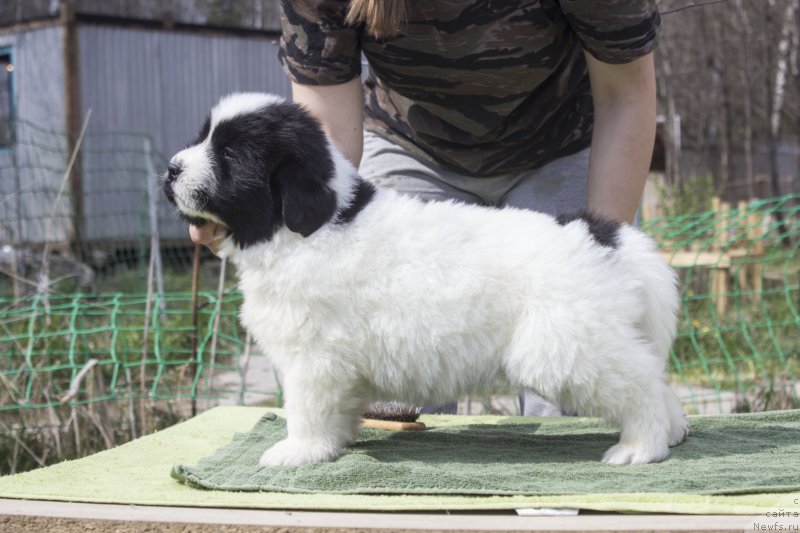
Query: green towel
pixel 136 473
pixel 754 453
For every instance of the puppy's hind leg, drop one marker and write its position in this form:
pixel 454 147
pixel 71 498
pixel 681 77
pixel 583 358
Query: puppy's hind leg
pixel 636 401
pixel 320 421
pixel 678 425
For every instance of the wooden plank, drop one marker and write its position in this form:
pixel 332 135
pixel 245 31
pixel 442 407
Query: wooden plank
pixel 685 259
pixel 146 515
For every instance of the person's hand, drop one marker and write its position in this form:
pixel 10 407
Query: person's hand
pixel 209 234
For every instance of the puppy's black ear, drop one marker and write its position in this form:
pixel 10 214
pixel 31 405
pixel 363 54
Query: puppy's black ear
pixel 307 201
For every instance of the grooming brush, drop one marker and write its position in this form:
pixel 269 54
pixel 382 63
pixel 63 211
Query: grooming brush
pixel 392 416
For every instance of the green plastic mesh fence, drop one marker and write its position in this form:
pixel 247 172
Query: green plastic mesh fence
pixel 738 345
pixel 136 346
pixel 101 338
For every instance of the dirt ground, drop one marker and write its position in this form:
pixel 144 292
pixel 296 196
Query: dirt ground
pixel 29 524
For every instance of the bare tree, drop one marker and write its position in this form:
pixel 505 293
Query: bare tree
pixel 672 154
pixel 743 28
pixel 732 72
pixel 780 57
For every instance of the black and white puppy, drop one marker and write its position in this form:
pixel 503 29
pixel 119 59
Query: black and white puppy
pixel 360 295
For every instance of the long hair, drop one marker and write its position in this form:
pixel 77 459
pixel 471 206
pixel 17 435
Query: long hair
pixel 381 18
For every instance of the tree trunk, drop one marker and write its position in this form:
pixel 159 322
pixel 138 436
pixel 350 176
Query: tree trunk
pixel 719 104
pixel 671 149
pixel 777 99
pixel 747 95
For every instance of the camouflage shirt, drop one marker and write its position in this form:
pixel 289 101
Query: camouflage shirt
pixel 482 87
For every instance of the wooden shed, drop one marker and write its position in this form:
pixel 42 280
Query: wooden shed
pixel 148 83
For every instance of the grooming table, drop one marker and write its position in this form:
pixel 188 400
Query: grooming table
pixel 132 482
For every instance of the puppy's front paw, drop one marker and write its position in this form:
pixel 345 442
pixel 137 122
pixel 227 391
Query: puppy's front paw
pixel 297 452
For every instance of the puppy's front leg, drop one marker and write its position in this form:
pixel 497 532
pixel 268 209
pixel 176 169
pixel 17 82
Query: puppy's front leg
pixel 321 419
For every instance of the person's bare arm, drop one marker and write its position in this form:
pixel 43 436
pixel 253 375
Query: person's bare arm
pixel 624 132
pixel 338 108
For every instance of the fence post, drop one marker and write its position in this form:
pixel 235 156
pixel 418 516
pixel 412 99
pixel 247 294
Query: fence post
pixel 756 234
pixel 720 247
pixel 19 238
pixel 72 99
pixel 152 211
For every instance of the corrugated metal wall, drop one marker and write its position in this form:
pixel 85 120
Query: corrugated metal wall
pixel 32 170
pixel 158 84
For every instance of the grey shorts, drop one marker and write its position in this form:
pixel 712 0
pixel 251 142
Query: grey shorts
pixel 557 187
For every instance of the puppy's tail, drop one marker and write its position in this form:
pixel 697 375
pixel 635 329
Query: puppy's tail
pixel 660 288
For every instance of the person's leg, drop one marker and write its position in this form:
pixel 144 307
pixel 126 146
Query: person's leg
pixel 556 188
pixel 391 166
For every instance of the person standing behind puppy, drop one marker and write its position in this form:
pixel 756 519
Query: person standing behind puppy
pixel 546 105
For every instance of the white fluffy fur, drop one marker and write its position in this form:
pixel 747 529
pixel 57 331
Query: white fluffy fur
pixel 422 302
pixel 237 104
pixel 198 170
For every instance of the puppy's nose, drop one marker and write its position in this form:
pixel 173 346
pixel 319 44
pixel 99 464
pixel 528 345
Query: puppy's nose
pixel 173 171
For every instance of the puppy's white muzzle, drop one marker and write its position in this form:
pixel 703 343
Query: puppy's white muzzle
pixel 193 173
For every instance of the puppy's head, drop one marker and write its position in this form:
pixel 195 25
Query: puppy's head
pixel 259 163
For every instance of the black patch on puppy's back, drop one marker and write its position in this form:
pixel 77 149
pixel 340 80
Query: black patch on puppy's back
pixel 362 197
pixel 604 231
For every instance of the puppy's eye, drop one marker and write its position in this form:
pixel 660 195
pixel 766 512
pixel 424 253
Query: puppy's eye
pixel 227 153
